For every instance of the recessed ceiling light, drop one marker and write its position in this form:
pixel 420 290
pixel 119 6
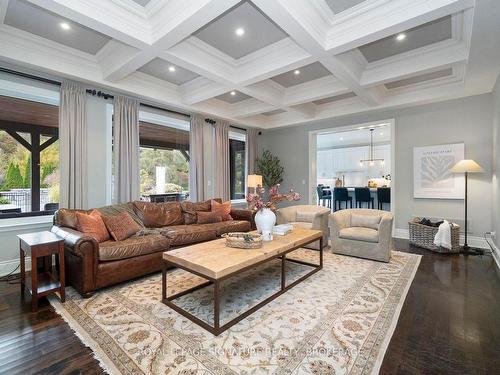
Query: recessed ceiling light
pixel 239 31
pixel 171 68
pixel 401 37
pixel 233 93
pixel 65 26
pixel 381 133
pixel 296 72
pixel 341 138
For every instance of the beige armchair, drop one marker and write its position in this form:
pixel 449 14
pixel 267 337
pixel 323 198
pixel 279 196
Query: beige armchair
pixel 362 233
pixel 306 216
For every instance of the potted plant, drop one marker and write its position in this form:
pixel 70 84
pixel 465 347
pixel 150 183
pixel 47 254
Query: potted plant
pixel 265 219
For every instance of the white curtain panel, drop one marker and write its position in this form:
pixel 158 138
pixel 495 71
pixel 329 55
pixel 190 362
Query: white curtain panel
pixel 73 146
pixel 196 149
pixel 252 149
pixel 221 147
pixel 126 149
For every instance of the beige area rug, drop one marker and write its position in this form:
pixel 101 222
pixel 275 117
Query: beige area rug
pixel 338 321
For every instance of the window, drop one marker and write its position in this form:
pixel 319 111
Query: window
pixel 237 163
pixel 164 157
pixel 29 158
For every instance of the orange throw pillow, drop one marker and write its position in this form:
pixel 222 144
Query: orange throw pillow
pixel 92 225
pixel 223 209
pixel 208 217
pixel 121 226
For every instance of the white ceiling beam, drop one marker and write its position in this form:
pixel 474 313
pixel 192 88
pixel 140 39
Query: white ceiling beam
pixel 385 19
pixel 250 107
pixel 314 90
pixel 201 89
pixel 299 24
pixel 176 21
pixel 443 55
pixel 107 17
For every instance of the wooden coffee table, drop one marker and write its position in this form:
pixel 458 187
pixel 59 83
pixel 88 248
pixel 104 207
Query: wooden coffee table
pixel 215 262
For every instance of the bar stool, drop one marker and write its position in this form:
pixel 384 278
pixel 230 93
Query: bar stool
pixel 362 195
pixel 324 196
pixel 383 196
pixel 340 195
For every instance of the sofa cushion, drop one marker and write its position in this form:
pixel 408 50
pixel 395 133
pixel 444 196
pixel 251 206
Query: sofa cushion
pixel 359 234
pixel 116 209
pixel 66 217
pixel 157 215
pixel 189 209
pixel 228 226
pixel 121 226
pixel 179 235
pixel 223 209
pixel 132 247
pixel 208 217
pixel 305 216
pixel 365 221
pixel 92 225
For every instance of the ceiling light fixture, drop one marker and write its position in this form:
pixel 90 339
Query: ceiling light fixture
pixel 296 72
pixel 171 68
pixel 239 31
pixel 371 160
pixel 341 138
pixel 233 93
pixel 65 26
pixel 401 37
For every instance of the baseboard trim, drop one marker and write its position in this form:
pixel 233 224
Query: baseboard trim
pixel 495 252
pixel 9 266
pixel 474 241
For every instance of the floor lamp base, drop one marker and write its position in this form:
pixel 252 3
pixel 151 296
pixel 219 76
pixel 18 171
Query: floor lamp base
pixel 467 250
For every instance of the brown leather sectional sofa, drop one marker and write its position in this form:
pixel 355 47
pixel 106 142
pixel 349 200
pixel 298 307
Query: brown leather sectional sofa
pixel 91 265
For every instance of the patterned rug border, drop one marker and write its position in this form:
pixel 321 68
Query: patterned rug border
pixel 395 318
pixel 104 362
pixel 110 368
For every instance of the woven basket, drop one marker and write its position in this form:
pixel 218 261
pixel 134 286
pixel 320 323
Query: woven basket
pixel 423 236
pixel 243 240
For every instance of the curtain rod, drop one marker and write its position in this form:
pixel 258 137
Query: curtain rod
pixel 93 92
pixel 212 122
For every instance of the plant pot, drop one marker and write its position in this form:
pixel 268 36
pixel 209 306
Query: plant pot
pixel 265 219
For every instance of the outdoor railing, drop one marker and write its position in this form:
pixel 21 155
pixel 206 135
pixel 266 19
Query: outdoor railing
pixel 22 198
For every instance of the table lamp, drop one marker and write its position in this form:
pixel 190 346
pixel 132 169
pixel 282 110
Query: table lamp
pixel 254 180
pixel 467 166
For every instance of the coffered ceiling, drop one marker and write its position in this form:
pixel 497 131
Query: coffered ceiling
pixel 261 63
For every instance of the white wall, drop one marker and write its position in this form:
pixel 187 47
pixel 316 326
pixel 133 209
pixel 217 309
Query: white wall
pixel 495 217
pixel 467 120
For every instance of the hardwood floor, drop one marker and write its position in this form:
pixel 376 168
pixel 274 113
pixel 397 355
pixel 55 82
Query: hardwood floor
pixel 449 324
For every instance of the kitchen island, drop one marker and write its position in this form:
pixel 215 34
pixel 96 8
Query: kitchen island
pixel 350 190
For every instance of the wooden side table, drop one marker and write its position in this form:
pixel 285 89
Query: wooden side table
pixel 41 245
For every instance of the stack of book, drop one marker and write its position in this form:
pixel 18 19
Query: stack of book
pixel 282 229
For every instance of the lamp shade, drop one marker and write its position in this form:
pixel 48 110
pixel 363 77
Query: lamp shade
pixel 467 165
pixel 254 180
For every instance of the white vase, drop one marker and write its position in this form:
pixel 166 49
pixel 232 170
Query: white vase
pixel 265 220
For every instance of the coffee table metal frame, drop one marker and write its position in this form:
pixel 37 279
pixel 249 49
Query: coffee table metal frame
pixel 217 328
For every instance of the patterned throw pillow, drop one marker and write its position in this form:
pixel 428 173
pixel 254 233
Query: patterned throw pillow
pixel 223 209
pixel 121 226
pixel 208 217
pixel 92 225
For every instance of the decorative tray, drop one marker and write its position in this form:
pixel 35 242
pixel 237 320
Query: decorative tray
pixel 243 240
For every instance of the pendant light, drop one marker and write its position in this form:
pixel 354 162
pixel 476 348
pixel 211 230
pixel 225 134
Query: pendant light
pixel 371 161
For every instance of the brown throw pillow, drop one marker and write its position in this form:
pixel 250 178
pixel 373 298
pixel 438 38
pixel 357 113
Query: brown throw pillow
pixel 208 217
pixel 222 209
pixel 157 215
pixel 121 226
pixel 190 209
pixel 66 217
pixel 92 225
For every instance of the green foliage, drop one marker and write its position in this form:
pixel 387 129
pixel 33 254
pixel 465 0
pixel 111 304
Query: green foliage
pixel 269 166
pixel 27 173
pixel 4 200
pixel 54 193
pixel 173 188
pixel 13 178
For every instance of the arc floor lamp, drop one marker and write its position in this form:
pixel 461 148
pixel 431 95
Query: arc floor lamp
pixel 467 166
